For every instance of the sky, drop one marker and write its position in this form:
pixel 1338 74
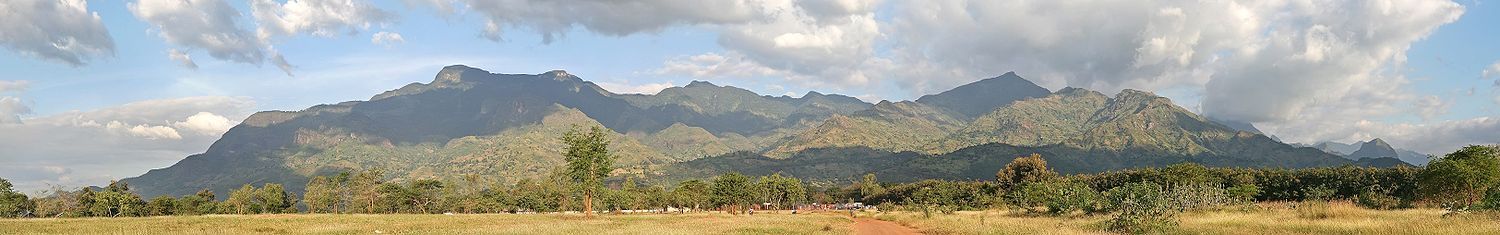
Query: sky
pixel 100 90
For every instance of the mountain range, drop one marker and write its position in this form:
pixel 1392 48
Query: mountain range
pixel 504 127
pixel 1375 148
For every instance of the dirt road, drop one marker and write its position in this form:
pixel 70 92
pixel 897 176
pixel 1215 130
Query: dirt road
pixel 867 226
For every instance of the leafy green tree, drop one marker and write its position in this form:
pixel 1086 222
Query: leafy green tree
pixel 12 203
pixel 364 190
pixel 782 192
pixel 1460 179
pixel 161 205
pixel 426 193
pixel 273 198
pixel 589 162
pixel 85 199
pixel 733 191
pixel 1186 173
pixel 1024 170
pixel 321 195
pixel 691 194
pixel 241 200
pixel 394 198
pixel 869 186
pixel 464 195
pixel 117 200
pixel 200 203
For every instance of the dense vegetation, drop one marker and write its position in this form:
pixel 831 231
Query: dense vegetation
pixel 1139 200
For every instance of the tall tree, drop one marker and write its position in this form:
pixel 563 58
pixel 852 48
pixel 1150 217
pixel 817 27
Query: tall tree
pixel 1459 179
pixel 589 162
pixel 364 189
pixel 197 204
pixel 691 194
pixel 426 193
pixel 320 195
pixel 273 198
pixel 733 191
pixel 869 186
pixel 12 203
pixel 241 200
pixel 781 191
pixel 161 205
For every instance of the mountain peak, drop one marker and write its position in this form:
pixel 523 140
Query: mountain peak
pixel 455 74
pixel 812 94
pixel 697 83
pixel 1375 148
pixel 560 75
pixel 980 97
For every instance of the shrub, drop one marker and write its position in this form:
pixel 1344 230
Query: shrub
pixel 1491 199
pixel 1244 192
pixel 1024 170
pixel 1200 196
pixel 1319 193
pixel 1057 197
pixel 1143 208
pixel 1379 200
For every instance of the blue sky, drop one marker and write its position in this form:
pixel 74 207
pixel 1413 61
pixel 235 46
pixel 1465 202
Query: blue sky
pixel 1410 72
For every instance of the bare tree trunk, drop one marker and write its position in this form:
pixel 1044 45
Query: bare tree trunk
pixel 588 204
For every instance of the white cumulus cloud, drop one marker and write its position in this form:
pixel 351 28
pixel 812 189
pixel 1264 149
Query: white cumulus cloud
pixel 12 107
pixel 324 18
pixel 94 146
pixel 206 123
pixel 210 25
pixel 386 38
pixel 54 30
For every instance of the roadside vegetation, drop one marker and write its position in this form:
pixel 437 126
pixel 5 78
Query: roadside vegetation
pixel 1457 193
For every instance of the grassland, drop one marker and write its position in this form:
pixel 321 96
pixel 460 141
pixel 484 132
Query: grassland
pixel 701 223
pixel 1269 218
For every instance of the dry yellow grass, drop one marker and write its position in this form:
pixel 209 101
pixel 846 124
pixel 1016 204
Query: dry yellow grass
pixel 1336 218
pixel 1270 218
pixel 995 222
pixel 702 223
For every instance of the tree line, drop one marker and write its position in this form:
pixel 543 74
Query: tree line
pixel 1140 200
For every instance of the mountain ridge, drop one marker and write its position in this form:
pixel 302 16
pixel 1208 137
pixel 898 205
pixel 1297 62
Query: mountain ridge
pixel 504 126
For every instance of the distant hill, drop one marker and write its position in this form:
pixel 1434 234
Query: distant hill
pixel 1375 148
pixel 504 127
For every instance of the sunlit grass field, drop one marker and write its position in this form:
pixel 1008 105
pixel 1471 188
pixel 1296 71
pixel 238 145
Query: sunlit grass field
pixel 1266 218
pixel 692 223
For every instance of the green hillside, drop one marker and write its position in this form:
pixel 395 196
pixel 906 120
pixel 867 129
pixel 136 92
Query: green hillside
pixel 504 127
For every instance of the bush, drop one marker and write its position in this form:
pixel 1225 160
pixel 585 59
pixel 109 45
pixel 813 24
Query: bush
pixel 1491 199
pixel 1319 193
pixel 1379 201
pixel 1143 208
pixel 1024 170
pixel 1195 196
pixel 1244 192
pixel 1057 197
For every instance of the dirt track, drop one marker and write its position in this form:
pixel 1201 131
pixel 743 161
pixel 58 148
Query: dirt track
pixel 866 226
